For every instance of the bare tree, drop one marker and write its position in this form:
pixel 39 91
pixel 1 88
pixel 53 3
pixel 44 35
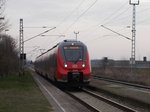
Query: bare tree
pixel 3 21
pixel 9 61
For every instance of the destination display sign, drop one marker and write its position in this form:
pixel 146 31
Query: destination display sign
pixel 72 47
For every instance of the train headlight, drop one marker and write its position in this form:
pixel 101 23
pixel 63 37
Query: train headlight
pixel 83 65
pixel 65 65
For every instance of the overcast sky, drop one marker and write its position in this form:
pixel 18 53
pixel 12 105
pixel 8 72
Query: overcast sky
pixel 85 17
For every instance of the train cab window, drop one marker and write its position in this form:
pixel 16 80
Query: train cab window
pixel 73 53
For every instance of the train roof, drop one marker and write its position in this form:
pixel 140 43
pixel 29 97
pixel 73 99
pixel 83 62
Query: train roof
pixel 65 42
pixel 68 42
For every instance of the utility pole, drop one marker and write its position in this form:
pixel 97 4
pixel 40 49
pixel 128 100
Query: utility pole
pixel 21 49
pixel 132 61
pixel 21 45
pixel 76 33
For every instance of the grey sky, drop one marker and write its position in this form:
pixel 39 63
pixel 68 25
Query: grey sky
pixel 76 15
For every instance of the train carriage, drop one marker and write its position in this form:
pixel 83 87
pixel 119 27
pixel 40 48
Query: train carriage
pixel 67 62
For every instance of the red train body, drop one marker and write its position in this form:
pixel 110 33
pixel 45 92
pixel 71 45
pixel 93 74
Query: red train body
pixel 67 62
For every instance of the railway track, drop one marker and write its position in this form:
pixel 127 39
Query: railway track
pixel 97 103
pixel 121 82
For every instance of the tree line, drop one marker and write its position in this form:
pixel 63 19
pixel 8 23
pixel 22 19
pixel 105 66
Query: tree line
pixel 9 59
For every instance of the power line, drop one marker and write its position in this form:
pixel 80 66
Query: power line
pixel 57 37
pixel 121 13
pixel 143 10
pixel 126 16
pixel 143 21
pixel 108 35
pixel 116 32
pixel 108 17
pixel 38 27
pixel 124 4
pixel 54 35
pixel 33 50
pixel 40 34
pixel 81 15
pixel 104 36
pixel 71 13
pixel 68 17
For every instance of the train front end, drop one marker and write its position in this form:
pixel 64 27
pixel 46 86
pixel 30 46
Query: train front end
pixel 73 63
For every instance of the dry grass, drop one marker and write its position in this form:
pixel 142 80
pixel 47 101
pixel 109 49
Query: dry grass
pixel 139 75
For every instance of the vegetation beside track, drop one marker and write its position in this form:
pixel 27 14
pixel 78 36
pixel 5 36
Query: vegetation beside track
pixel 139 75
pixel 21 95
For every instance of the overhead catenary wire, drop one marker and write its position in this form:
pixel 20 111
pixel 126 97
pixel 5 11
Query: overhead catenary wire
pixel 118 15
pixel 70 14
pixel 81 15
pixel 108 17
pixel 39 34
pixel 57 36
pixel 113 20
pixel 52 42
pixel 143 21
pixel 116 32
pixel 97 38
pixel 38 27
pixel 104 36
pixel 75 9
pixel 146 9
pixel 114 13
pixel 33 50
pixel 126 17
pixel 140 11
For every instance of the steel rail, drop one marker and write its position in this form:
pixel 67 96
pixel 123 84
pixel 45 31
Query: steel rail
pixel 113 103
pixel 91 108
pixel 108 101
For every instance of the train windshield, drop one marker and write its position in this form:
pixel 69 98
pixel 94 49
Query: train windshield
pixel 73 53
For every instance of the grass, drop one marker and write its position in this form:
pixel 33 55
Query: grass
pixel 139 75
pixel 21 95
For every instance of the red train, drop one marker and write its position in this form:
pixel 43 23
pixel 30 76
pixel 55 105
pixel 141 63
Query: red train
pixel 67 62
